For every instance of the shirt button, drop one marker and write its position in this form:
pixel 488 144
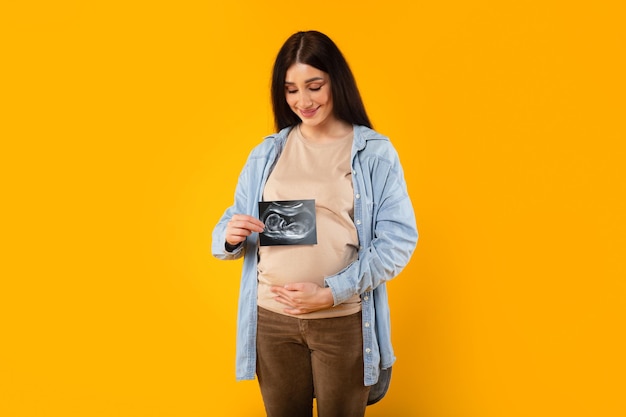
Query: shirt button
pixel 368 350
pixel 367 324
pixel 358 222
pixel 353 172
pixel 358 196
pixel 366 298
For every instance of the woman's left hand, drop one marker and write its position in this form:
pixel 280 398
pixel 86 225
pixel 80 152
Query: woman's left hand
pixel 303 297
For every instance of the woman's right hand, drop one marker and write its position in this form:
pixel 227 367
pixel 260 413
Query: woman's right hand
pixel 240 226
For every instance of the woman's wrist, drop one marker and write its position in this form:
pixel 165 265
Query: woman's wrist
pixel 231 248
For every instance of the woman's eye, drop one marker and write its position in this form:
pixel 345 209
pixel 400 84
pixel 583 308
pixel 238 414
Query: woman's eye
pixel 292 91
pixel 316 88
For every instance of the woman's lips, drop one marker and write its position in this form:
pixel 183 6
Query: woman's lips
pixel 308 113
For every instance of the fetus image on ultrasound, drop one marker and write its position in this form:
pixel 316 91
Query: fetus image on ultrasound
pixel 288 222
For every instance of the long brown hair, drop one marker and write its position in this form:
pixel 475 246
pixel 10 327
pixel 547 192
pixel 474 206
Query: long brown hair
pixel 319 51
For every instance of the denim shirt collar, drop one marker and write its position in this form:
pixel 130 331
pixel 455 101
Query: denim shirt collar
pixel 361 135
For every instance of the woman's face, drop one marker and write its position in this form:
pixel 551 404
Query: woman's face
pixel 307 90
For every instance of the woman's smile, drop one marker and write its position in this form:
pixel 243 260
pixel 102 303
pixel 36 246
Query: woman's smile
pixel 308 113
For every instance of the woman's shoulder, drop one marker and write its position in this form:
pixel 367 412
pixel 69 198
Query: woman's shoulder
pixel 270 143
pixel 372 143
pixel 367 133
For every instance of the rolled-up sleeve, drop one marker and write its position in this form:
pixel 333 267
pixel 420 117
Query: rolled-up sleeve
pixel 394 233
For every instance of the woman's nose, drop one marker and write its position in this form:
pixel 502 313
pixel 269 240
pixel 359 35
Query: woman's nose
pixel 305 99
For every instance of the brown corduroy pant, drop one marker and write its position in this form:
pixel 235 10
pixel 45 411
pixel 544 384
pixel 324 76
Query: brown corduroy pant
pixel 298 359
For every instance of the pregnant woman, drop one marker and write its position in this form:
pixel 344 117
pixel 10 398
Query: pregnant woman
pixel 314 318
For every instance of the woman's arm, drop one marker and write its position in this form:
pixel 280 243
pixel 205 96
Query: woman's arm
pixel 394 234
pixel 233 228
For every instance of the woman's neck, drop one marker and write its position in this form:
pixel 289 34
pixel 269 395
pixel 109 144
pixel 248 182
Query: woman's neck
pixel 327 132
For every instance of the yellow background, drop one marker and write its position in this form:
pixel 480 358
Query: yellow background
pixel 124 126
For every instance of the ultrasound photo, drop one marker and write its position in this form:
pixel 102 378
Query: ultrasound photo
pixel 288 222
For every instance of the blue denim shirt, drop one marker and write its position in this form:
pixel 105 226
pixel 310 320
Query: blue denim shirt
pixel 385 224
